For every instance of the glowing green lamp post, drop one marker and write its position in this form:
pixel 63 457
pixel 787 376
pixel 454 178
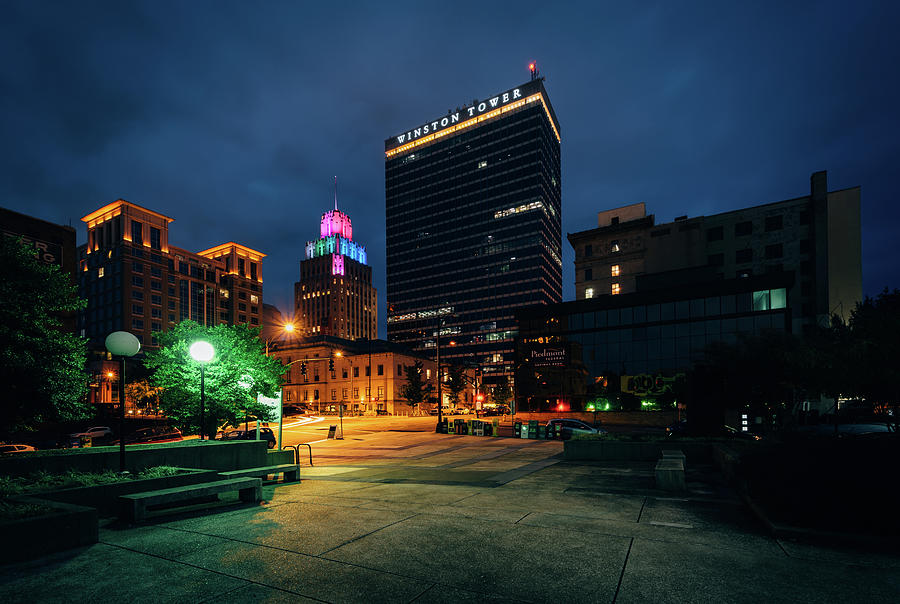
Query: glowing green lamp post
pixel 202 352
pixel 122 344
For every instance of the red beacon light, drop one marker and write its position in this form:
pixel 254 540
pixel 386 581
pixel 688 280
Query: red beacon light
pixel 531 66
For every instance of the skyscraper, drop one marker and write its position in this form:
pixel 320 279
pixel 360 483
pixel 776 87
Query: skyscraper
pixel 473 212
pixel 335 296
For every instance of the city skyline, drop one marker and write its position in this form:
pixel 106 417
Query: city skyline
pixel 227 118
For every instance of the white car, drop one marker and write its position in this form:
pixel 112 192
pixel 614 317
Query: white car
pixel 94 432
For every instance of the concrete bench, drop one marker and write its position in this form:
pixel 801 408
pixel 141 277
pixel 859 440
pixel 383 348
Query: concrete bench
pixel 670 475
pixel 133 507
pixel 290 471
pixel 673 454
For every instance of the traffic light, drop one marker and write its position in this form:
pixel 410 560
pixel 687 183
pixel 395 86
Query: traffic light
pixel 331 365
pixel 303 369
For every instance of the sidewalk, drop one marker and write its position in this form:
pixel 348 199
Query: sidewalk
pixel 403 517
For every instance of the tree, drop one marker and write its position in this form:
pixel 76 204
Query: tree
pixel 415 391
pixel 237 373
pixel 143 394
pixel 456 382
pixel 501 394
pixel 42 367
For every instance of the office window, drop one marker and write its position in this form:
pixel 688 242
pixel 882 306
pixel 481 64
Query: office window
pixel 356 372
pixel 334 394
pixel 253 270
pixel 588 274
pixel 287 396
pixel 137 281
pixel 155 285
pixel 137 267
pixel 380 392
pixel 241 267
pixel 100 272
pixel 137 236
pixel 137 294
pixel 137 324
pixel 774 251
pixel 344 392
pixel 614 270
pixel 154 238
pixel 743 228
pixel 614 246
pixel 743 256
pixel 137 309
pixel 344 373
pixel 616 288
pixel 774 223
pixel 588 251
pixel 716 259
pixel 368 370
pixel 381 370
pixel 589 292
pixel 356 392
pixel 715 233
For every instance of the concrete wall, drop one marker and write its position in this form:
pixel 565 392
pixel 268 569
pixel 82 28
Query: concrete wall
pixel 207 455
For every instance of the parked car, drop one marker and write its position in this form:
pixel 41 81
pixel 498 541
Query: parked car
pixel 571 427
pixel 265 434
pixel 14 448
pixel 153 434
pixel 94 432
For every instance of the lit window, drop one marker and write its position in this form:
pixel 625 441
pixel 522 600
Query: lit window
pixel 614 246
pixel 482 164
pixel 614 270
pixel 615 288
pixel 589 292
pixel 100 272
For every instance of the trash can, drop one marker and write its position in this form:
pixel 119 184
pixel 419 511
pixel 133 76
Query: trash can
pixel 451 428
pixel 517 430
pixel 542 432
pixel 533 429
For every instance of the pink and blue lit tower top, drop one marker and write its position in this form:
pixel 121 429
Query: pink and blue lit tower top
pixel 336 238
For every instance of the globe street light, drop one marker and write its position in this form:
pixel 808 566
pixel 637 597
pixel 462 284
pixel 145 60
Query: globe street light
pixel 202 352
pixel 123 344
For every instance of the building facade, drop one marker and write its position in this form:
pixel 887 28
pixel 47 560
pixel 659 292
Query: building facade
pixel 473 216
pixel 366 376
pixel 570 354
pixel 817 237
pixel 135 280
pixel 335 296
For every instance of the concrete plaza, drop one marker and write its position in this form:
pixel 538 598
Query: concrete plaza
pixel 420 517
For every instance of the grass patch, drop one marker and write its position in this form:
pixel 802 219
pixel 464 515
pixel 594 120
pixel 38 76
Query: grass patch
pixel 45 481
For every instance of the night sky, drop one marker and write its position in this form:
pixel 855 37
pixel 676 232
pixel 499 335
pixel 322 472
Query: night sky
pixel 233 118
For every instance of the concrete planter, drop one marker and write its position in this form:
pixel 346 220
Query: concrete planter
pixel 103 497
pixel 616 450
pixel 210 455
pixel 67 526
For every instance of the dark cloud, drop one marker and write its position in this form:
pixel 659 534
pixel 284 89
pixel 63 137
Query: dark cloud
pixel 233 118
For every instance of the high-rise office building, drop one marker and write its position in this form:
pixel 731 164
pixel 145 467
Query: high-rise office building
pixel 335 296
pixel 473 212
pixel 134 280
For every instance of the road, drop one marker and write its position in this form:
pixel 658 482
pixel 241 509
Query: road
pixel 314 428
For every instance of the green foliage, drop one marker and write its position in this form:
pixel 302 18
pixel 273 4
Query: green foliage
pixel 42 367
pixel 502 394
pixel 416 390
pixel 456 383
pixel 142 394
pixel 42 481
pixel 237 373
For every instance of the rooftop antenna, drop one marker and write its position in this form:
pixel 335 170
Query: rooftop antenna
pixel 335 193
pixel 532 67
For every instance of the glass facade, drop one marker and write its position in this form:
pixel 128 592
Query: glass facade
pixel 474 230
pixel 567 354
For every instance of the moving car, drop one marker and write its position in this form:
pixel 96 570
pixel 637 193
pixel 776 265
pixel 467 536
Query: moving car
pixel 265 434
pixel 14 448
pixel 571 427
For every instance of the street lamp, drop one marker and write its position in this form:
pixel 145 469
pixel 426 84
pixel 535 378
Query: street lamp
pixel 123 344
pixel 202 352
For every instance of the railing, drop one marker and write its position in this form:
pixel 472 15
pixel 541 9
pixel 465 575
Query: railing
pixel 296 449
